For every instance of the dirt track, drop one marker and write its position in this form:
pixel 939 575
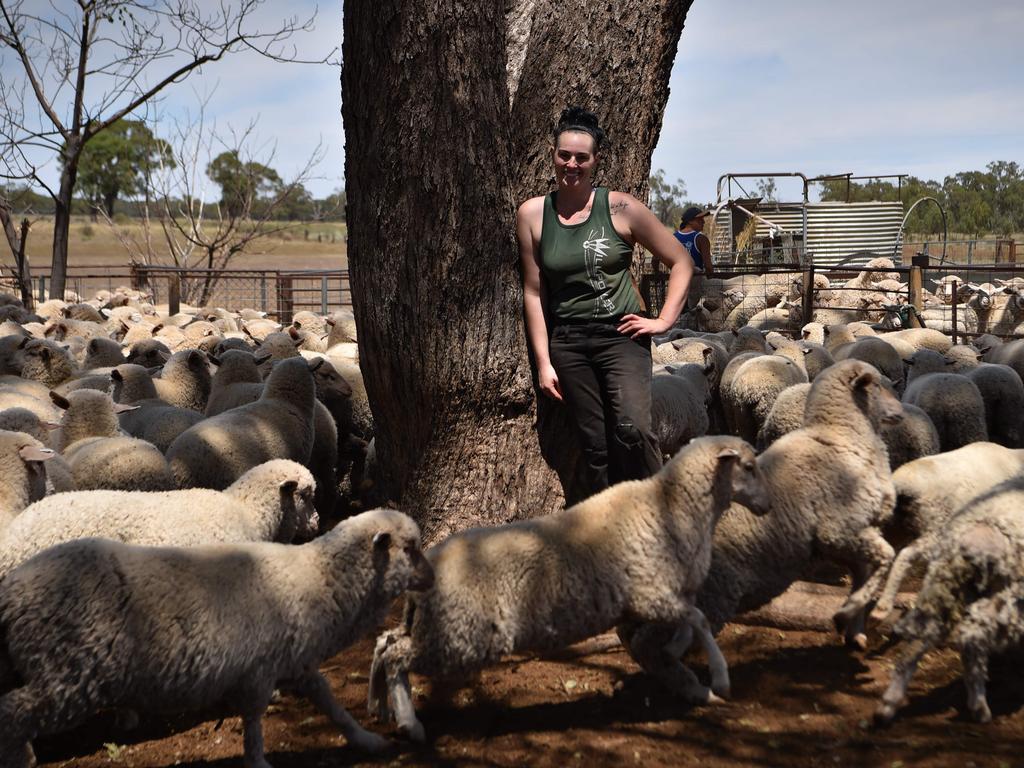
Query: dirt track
pixel 799 699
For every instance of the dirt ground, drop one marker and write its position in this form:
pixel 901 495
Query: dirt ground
pixel 799 699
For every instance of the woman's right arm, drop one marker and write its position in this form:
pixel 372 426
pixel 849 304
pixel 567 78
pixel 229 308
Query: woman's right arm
pixel 528 225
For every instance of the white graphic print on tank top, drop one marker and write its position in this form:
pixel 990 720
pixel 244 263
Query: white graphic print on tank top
pixel 595 248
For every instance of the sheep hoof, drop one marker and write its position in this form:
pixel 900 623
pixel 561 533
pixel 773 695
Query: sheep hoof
pixel 884 715
pixel 414 732
pixel 858 642
pixel 879 614
pixel 723 692
pixel 713 698
pixel 981 713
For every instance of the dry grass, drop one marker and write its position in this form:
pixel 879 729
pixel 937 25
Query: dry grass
pixel 94 243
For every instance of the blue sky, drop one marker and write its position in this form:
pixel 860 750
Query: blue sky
pixel 926 87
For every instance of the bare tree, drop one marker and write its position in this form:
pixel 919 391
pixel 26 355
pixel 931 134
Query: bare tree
pixel 442 142
pixel 16 239
pixel 84 65
pixel 183 226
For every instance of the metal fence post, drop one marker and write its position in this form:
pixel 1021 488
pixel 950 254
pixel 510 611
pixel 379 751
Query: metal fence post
pixel 285 299
pixel 323 295
pixel 174 295
pixel 918 265
pixel 956 289
pixel 807 300
pixel 263 292
pixel 42 288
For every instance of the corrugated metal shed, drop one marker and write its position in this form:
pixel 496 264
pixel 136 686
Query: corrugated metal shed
pixel 834 230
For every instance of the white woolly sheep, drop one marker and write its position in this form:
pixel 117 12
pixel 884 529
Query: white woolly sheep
pixel 831 512
pixel 971 596
pixel 751 392
pixel 636 552
pixel 149 353
pixel 270 502
pixel 184 629
pixel 46 362
pixel 930 490
pixel 953 403
pixel 911 437
pixel 185 381
pixel 876 351
pixel 1003 394
pixel 785 416
pixel 679 404
pixel 280 425
pixel 24 477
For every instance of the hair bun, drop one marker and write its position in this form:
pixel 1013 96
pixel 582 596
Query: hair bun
pixel 578 116
pixel 579 119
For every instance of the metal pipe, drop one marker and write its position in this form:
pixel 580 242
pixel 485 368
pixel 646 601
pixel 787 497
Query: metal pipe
pixel 903 224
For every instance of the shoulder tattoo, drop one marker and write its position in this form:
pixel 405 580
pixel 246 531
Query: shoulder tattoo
pixel 619 207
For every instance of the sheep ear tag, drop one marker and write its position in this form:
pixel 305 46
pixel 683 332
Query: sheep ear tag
pixel 35 453
pixel 381 540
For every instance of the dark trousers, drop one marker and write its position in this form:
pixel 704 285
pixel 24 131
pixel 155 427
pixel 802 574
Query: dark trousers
pixel 605 379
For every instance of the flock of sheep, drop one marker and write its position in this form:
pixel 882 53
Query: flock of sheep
pixel 166 479
pixel 774 302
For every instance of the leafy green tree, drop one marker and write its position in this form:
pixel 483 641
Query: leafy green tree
pixel 666 199
pixel 242 183
pixel 119 162
pixel 768 189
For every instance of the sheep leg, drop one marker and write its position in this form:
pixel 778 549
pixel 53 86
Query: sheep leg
pixel 698 623
pixel 975 661
pixel 376 695
pixel 252 738
pixel 17 709
pixel 314 686
pixel 901 675
pixel 904 560
pixel 872 552
pixel 649 648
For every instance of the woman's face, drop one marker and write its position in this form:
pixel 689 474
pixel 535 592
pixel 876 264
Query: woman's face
pixel 575 160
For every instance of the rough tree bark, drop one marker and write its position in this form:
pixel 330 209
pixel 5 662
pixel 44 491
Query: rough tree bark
pixel 447 114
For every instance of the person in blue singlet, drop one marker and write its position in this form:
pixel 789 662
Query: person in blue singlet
pixel 691 235
pixel 590 338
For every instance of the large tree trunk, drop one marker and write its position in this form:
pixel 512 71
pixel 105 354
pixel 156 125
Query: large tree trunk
pixel 447 124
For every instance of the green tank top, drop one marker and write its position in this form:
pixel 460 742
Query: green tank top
pixel 586 266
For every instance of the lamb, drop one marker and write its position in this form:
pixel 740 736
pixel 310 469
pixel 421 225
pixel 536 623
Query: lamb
pixel 342 328
pixel 24 477
pixel 1011 353
pixel 184 629
pixel 953 403
pixel 831 489
pixel 972 595
pixel 963 358
pixel 99 457
pixel 747 339
pixel 185 381
pixel 155 421
pixel 930 490
pixel 279 425
pixel 679 404
pixel 270 502
pixel 637 552
pixel 277 346
pixel 751 393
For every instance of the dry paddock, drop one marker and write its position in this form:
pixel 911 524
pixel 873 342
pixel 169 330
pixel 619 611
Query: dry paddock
pixel 799 699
